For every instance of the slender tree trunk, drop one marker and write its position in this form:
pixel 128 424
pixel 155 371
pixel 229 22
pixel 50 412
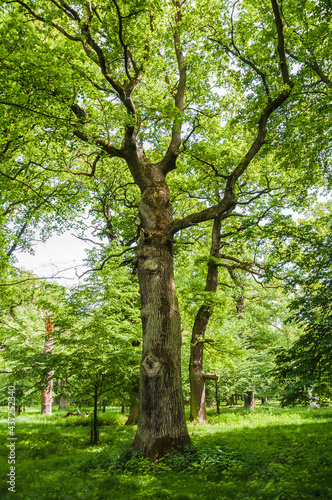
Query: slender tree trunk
pixel 162 424
pixel 133 412
pixel 217 397
pixel 94 427
pixel 104 407
pixel 46 394
pixel 122 408
pixel 196 373
pixel 248 397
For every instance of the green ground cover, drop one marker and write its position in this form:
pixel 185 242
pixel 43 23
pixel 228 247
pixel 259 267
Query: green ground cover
pixel 272 453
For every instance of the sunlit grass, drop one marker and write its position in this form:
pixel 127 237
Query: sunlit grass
pixel 272 453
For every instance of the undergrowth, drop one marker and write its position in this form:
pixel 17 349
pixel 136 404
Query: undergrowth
pixel 272 453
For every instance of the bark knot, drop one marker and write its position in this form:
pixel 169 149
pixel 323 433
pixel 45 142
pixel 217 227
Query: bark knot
pixel 151 365
pixel 151 265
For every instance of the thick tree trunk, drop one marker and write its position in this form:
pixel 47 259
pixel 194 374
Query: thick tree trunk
pixel 46 398
pixel 46 394
pixel 249 400
pixel 133 412
pixel 162 424
pixel 196 373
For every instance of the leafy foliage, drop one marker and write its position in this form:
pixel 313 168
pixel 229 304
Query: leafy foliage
pixel 307 364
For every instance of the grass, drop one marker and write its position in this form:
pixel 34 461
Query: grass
pixel 272 453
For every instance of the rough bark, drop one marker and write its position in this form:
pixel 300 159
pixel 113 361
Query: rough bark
pixel 196 373
pixel 162 425
pixel 46 394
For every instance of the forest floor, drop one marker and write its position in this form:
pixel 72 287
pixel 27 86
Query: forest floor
pixel 272 453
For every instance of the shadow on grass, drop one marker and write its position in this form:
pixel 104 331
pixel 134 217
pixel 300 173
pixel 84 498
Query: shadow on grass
pixel 242 456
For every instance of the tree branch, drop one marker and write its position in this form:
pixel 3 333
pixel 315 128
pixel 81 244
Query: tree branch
pixel 168 163
pixel 40 18
pixel 281 43
pixel 228 203
pixel 314 66
pixel 211 376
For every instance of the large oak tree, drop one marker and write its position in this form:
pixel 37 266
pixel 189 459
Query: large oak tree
pixel 175 91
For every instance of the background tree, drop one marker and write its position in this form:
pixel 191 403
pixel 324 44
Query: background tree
pixel 305 367
pixel 23 337
pixel 97 347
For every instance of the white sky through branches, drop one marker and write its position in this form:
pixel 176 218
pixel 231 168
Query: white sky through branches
pixel 60 257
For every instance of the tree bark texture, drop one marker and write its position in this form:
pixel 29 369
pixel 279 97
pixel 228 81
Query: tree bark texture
pixel 46 394
pixel 162 424
pixel 196 373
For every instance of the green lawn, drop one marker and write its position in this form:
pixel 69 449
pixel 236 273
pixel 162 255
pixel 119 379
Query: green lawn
pixel 272 453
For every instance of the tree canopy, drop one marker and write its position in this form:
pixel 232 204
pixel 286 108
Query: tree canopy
pixel 158 119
